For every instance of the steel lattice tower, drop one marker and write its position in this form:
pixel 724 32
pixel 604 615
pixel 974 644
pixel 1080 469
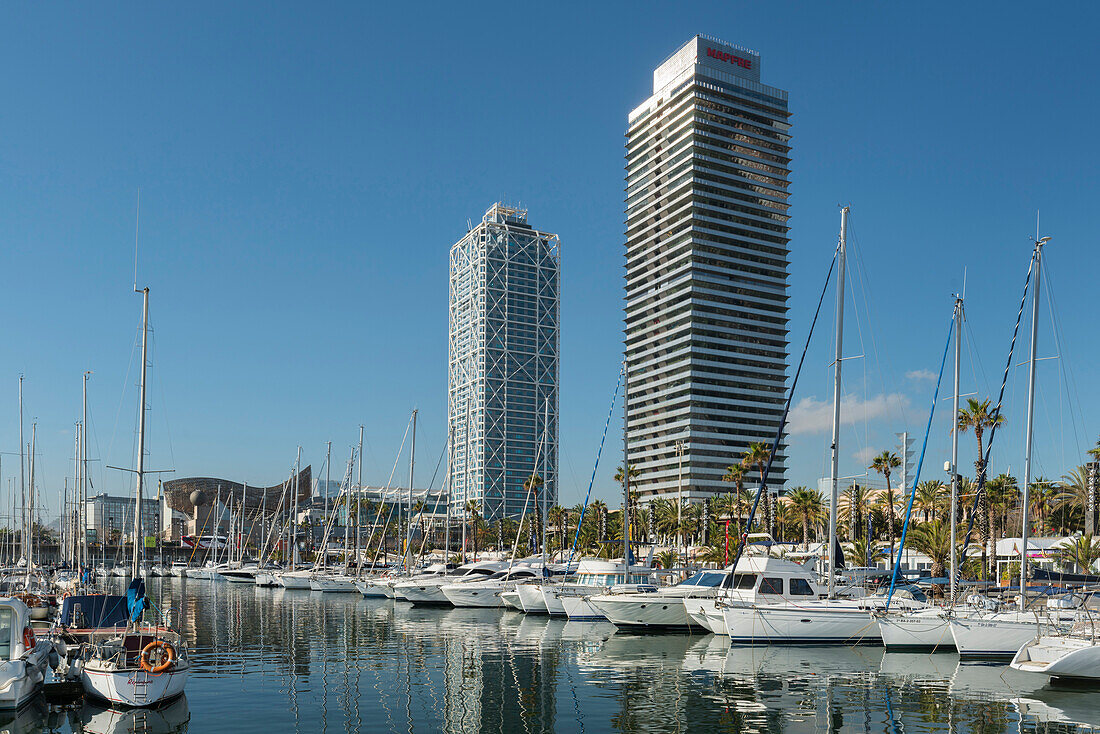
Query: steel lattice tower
pixel 503 363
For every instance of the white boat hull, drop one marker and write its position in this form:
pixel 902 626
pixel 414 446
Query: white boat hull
pixel 333 584
pixel 800 625
pixel 696 610
pixel 21 680
pixel 133 687
pixel 371 589
pixel 926 630
pixel 993 636
pixel 474 595
pixel 511 600
pixel 653 611
pixel 532 598
pixel 293 580
pixel 424 594
pixel 580 609
pixel 1060 657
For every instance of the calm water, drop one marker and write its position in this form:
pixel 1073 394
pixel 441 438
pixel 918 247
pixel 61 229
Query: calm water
pixel 273 660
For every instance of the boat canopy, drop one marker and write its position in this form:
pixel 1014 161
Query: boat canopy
pixel 95 610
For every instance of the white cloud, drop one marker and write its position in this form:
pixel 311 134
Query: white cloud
pixel 928 375
pixel 864 456
pixel 810 415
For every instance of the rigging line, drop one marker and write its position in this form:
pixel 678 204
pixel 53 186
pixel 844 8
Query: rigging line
pixel 382 498
pixel 980 479
pixel 163 399
pixel 118 413
pixel 727 582
pixel 1066 370
pixel 595 466
pixel 920 463
pixel 883 364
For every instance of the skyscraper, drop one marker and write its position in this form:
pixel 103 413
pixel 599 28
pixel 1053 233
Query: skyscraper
pixel 503 364
pixel 707 168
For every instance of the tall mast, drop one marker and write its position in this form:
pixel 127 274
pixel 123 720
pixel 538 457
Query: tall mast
pixel 30 462
pixel 450 493
pixel 135 566
pixel 1037 260
pixel 82 492
pixel 545 487
pixel 358 499
pixel 834 472
pixel 626 480
pixel 292 532
pixel 955 450
pixel 22 476
pixel 408 518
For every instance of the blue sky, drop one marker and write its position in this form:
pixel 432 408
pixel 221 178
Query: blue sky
pixel 304 170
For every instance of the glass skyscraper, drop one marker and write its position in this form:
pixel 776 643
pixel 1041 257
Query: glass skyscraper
pixel 707 171
pixel 503 364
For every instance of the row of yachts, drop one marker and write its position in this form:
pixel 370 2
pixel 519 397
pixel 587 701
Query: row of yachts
pixel 767 600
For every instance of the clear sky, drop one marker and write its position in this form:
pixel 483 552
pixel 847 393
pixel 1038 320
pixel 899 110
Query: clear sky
pixel 303 170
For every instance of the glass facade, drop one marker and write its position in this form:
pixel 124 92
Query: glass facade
pixel 503 363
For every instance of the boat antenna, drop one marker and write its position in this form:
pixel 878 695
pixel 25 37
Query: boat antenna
pixel 137 229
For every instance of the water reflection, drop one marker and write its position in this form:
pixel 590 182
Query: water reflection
pixel 274 660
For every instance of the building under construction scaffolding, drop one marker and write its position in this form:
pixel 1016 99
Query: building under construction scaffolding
pixel 503 363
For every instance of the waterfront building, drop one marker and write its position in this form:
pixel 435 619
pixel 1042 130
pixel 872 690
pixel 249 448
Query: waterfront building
pixel 111 519
pixel 707 172
pixel 502 392
pixel 181 516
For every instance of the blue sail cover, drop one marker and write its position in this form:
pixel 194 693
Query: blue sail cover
pixel 94 610
pixel 135 599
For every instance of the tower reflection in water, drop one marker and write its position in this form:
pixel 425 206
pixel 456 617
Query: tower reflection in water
pixel 272 660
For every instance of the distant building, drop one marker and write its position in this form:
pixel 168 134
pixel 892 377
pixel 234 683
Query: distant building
pixel 111 519
pixel 269 502
pixel 502 396
pixel 707 254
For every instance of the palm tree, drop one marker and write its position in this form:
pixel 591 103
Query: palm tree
pixel 976 416
pixel 473 512
pixel 1003 496
pixel 1095 452
pixel 865 551
pixel 930 498
pixel 1074 496
pixel 855 502
pixel 1081 552
pixel 1041 495
pixel 757 456
pixel 666 559
pixel 933 539
pixel 884 464
pixel 735 473
pixel 809 504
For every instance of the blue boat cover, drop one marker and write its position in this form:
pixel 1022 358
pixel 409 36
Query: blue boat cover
pixel 135 599
pixel 96 610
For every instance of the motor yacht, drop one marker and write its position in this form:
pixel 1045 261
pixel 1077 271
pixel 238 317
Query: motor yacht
pixel 429 590
pixel 1071 655
pixel 655 607
pixel 486 592
pixel 593 576
pixel 24 656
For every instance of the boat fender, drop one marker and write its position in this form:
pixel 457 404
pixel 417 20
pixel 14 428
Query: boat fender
pixel 28 638
pixel 167 656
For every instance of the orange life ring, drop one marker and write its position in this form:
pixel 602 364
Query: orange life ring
pixel 168 653
pixel 28 638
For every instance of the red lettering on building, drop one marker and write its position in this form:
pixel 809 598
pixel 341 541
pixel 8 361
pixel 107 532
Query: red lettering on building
pixel 724 56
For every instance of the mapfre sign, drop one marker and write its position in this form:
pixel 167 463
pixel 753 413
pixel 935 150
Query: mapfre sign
pixel 724 56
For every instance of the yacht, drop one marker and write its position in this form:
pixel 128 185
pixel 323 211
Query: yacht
pixel 430 590
pixel 239 573
pixel 1000 634
pixel 298 579
pixel 333 583
pixel 593 576
pixel 432 571
pixel 1074 655
pixel 24 656
pixel 656 607
pixel 486 592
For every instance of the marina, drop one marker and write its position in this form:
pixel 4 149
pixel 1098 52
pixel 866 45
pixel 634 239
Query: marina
pixel 307 661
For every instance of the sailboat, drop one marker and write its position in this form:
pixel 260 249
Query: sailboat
pixel 832 620
pixel 986 633
pixel 145 664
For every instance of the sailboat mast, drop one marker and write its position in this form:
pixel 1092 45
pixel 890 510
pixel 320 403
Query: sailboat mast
pixel 135 567
pixel 408 517
pixel 1037 259
pixel 626 480
pixel 22 476
pixel 955 451
pixel 358 499
pixel 82 492
pixel 292 529
pixel 834 472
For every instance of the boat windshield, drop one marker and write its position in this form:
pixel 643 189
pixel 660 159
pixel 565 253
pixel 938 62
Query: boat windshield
pixel 704 578
pixel 744 580
pixel 6 617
